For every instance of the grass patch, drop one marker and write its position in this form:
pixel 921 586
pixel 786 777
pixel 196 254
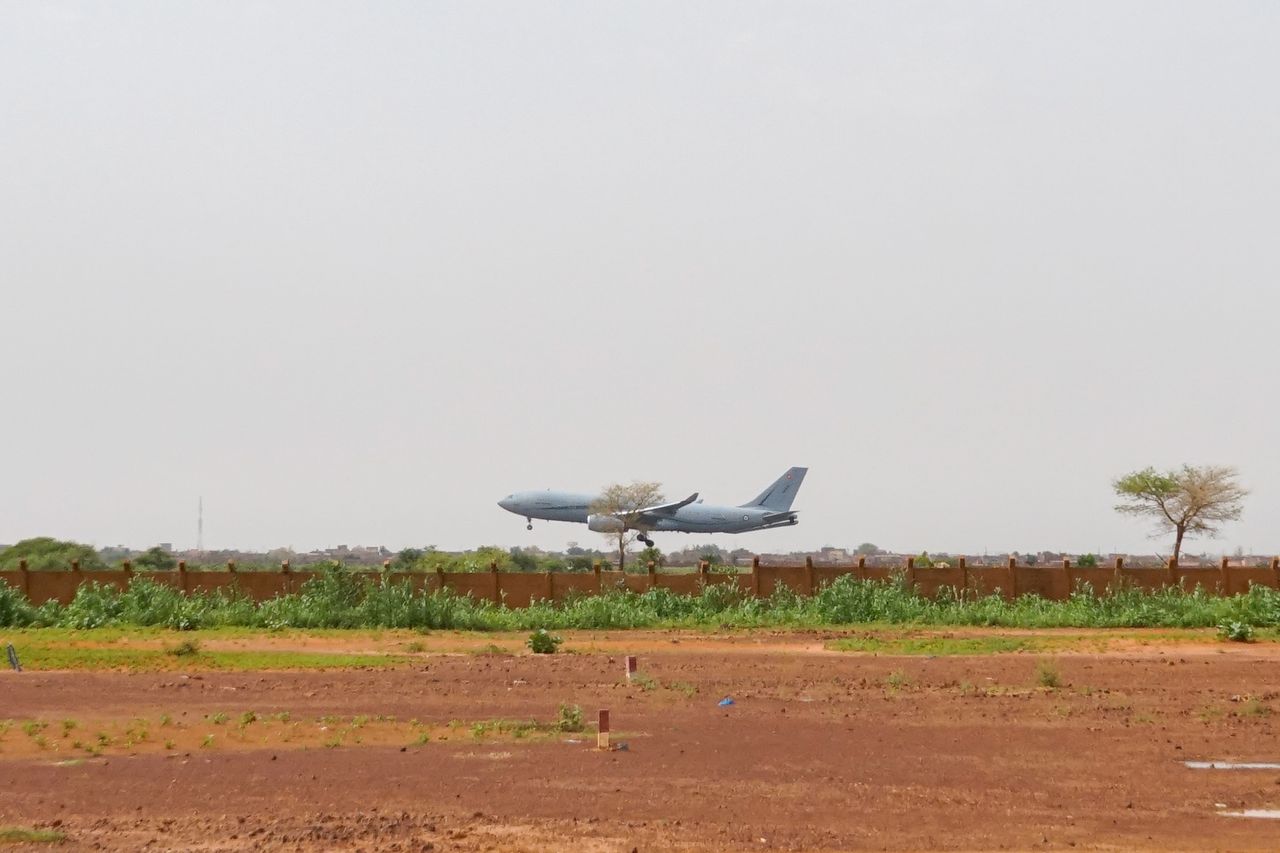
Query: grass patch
pixel 896 680
pixel 19 835
pixel 53 654
pixel 645 682
pixel 939 646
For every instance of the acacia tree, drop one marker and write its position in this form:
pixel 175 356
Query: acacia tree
pixel 617 501
pixel 1190 501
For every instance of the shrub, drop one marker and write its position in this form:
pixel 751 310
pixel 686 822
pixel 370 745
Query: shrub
pixel 569 719
pixel 94 606
pixel 1236 632
pixel 15 610
pixel 543 643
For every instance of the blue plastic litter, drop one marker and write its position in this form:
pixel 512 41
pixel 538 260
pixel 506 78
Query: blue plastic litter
pixel 726 701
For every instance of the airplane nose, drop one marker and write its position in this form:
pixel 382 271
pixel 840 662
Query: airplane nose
pixel 505 503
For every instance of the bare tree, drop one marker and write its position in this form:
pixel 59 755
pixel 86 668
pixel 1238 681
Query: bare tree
pixel 1190 501
pixel 611 513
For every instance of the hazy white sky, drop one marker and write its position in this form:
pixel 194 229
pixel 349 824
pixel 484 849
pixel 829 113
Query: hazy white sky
pixel 355 271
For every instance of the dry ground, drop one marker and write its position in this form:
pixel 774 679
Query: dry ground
pixel 821 750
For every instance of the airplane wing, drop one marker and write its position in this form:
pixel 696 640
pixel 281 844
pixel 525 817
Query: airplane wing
pixel 661 509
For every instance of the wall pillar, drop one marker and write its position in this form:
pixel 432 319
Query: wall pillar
pixel 808 575
pixel 755 576
pixel 1224 575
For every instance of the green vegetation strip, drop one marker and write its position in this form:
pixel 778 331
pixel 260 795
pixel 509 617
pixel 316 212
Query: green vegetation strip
pixel 53 654
pixel 340 599
pixel 18 835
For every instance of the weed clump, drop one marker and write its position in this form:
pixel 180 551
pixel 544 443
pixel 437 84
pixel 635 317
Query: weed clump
pixel 541 642
pixel 1047 675
pixel 187 648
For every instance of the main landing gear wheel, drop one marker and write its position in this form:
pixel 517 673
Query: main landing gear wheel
pixel 529 526
pixel 647 542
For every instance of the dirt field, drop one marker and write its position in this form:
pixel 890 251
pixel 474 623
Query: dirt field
pixel 450 746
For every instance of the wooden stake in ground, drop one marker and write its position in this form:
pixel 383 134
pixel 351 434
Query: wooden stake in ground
pixel 631 666
pixel 602 739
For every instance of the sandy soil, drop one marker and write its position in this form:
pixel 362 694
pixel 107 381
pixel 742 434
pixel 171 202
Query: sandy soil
pixel 820 750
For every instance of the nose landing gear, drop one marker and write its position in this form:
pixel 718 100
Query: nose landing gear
pixel 529 526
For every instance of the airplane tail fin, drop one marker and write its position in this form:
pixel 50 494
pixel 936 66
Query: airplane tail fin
pixel 779 496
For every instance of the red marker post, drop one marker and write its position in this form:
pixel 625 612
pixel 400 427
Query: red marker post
pixel 602 739
pixel 631 666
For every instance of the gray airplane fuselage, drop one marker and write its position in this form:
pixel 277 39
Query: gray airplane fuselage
pixel 695 518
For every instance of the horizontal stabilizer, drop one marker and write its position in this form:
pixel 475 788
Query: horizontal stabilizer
pixel 779 516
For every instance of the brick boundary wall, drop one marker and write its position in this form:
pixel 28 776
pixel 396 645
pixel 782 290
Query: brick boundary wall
pixel 519 589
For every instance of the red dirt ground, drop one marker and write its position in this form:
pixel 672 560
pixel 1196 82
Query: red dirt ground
pixel 821 751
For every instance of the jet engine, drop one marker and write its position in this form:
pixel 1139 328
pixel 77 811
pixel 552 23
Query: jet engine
pixel 604 524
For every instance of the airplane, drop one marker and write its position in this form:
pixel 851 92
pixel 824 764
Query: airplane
pixel 771 508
